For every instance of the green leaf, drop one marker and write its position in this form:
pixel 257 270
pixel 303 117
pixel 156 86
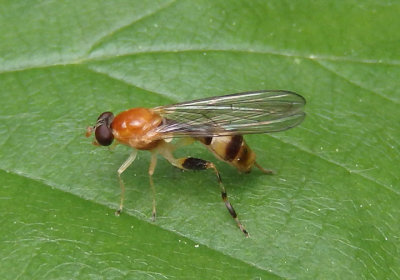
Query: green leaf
pixel 330 212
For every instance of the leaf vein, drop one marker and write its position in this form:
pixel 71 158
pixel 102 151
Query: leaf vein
pixel 102 39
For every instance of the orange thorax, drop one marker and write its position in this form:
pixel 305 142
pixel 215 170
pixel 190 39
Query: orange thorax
pixel 135 128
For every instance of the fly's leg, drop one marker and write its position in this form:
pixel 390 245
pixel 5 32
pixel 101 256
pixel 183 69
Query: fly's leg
pixel 200 164
pixel 123 167
pixel 152 166
pixel 263 170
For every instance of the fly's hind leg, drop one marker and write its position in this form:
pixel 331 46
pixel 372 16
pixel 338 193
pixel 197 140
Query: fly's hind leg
pixel 200 164
pixel 123 167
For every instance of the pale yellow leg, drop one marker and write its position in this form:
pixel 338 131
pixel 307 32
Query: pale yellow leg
pixel 123 167
pixel 265 171
pixel 152 167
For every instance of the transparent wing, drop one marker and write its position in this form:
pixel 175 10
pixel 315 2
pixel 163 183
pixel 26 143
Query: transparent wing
pixel 241 113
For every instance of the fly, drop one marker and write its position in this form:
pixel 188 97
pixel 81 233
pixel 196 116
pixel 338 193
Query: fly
pixel 219 123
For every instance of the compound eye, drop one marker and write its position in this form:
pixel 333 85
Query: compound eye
pixel 104 135
pixel 103 132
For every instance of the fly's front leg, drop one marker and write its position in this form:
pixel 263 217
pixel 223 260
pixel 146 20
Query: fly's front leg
pixel 200 164
pixel 152 166
pixel 123 167
pixel 263 170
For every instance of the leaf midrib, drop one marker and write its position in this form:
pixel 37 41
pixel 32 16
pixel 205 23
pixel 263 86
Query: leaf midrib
pixel 178 49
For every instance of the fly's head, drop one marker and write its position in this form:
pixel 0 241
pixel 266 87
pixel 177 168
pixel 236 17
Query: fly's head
pixel 102 129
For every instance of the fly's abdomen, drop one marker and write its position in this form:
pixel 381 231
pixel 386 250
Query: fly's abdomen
pixel 232 149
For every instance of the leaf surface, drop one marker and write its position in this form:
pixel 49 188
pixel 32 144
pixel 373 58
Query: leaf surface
pixel 330 212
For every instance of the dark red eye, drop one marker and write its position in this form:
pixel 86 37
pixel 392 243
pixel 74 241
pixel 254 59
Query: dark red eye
pixel 103 130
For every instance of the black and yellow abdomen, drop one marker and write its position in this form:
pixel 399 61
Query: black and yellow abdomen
pixel 232 149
